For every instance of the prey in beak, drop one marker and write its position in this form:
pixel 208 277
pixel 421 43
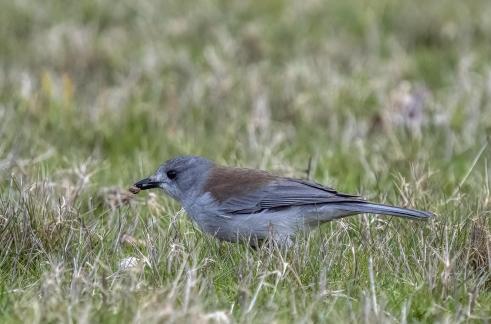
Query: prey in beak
pixel 144 184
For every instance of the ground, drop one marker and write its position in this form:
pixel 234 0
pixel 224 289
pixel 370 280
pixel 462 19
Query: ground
pixel 387 99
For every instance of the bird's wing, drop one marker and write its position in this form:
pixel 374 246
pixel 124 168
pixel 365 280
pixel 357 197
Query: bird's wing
pixel 281 193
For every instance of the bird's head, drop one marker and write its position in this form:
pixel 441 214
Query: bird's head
pixel 181 177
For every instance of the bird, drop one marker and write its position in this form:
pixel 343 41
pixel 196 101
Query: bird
pixel 249 205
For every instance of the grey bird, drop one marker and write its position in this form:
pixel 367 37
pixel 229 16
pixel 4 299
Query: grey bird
pixel 236 204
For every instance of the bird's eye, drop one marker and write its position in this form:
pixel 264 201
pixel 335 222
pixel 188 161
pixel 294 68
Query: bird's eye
pixel 171 174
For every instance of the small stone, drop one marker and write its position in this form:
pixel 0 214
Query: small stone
pixel 128 263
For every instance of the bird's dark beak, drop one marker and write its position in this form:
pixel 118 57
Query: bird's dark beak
pixel 147 183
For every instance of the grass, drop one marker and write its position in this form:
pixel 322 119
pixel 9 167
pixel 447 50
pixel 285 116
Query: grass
pixel 388 99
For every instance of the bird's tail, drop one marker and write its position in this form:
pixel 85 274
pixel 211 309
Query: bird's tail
pixel 373 208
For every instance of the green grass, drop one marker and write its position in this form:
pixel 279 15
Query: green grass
pixel 95 94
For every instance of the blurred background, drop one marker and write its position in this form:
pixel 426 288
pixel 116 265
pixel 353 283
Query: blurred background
pixel 387 98
pixel 129 84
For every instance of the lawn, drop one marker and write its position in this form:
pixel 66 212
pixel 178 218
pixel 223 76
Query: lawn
pixel 387 99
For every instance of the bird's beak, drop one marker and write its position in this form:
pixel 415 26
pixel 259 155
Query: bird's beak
pixel 147 183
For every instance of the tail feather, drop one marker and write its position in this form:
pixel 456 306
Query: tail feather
pixel 362 207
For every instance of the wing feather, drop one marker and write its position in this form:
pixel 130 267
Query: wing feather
pixel 282 193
